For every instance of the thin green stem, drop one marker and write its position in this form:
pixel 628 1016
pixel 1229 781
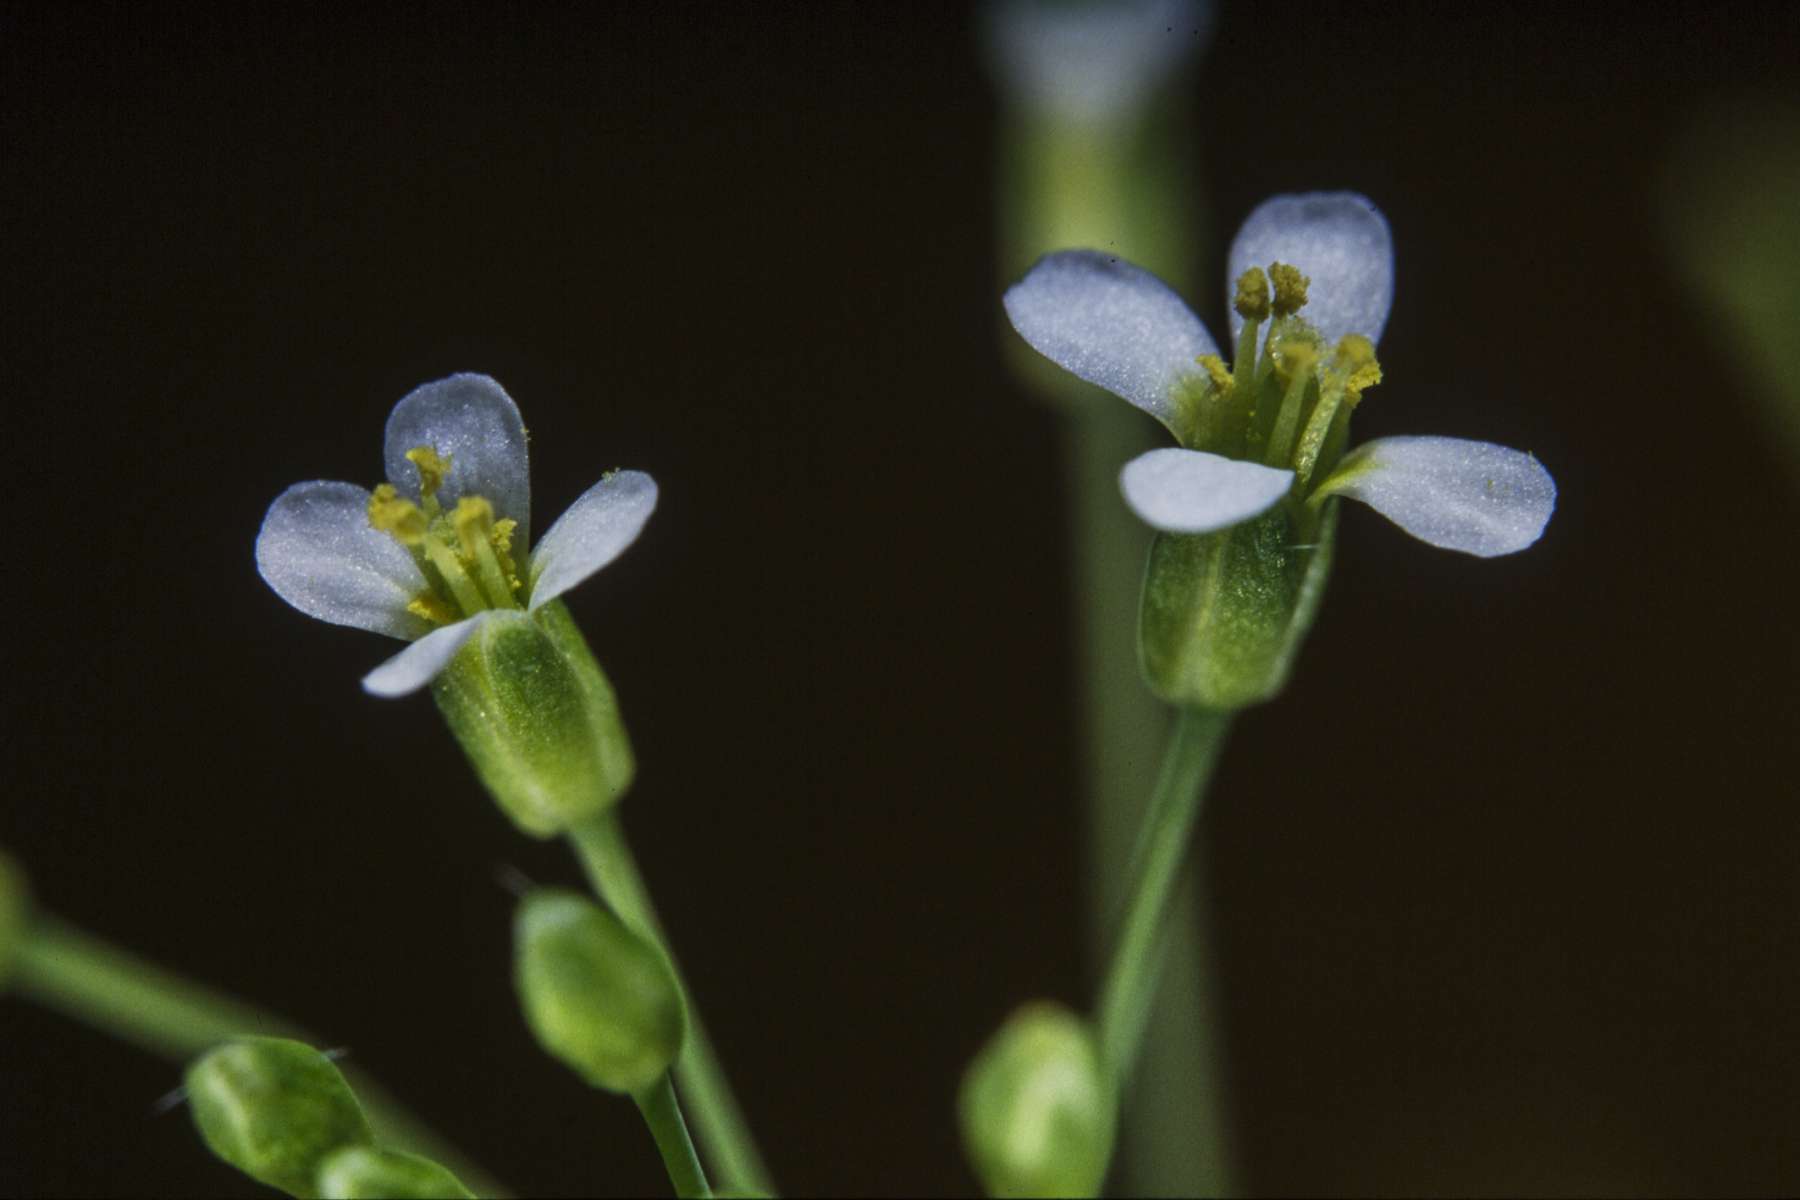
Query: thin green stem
pixel 662 1112
pixel 101 985
pixel 612 871
pixel 1130 986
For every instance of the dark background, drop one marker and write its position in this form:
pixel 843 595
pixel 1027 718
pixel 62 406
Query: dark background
pixel 1506 881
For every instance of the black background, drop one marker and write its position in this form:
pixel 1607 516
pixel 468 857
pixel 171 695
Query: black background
pixel 1507 881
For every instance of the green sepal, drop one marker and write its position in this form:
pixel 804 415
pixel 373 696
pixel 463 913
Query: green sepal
pixel 15 904
pixel 538 719
pixel 1224 613
pixel 274 1109
pixel 377 1173
pixel 596 996
pixel 1037 1112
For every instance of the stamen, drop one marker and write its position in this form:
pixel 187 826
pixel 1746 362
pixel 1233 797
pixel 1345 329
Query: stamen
pixel 474 524
pixel 1214 366
pixel 1252 299
pixel 1290 289
pixel 392 515
pixel 456 578
pixel 428 606
pixel 1352 369
pixel 433 468
pixel 1354 359
pixel 1282 436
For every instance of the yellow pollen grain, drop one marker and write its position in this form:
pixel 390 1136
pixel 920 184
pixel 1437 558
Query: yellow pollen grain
pixel 433 468
pixel 1354 360
pixel 391 514
pixel 1215 371
pixel 1290 289
pixel 1252 299
pixel 501 538
pixel 432 609
pixel 473 521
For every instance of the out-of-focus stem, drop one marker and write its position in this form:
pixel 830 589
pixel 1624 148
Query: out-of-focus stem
pixel 136 1001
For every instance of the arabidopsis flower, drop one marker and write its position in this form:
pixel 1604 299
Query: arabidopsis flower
pixel 441 555
pixel 1092 61
pixel 443 547
pixel 1262 442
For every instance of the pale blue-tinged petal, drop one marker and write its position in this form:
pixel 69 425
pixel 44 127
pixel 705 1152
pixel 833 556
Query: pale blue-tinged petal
pixel 1191 491
pixel 595 530
pixel 419 663
pixel 1091 61
pixel 472 421
pixel 1475 497
pixel 318 551
pixel 1340 241
pixel 1110 323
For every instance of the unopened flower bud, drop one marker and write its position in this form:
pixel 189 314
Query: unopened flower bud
pixel 274 1109
pixel 1037 1110
pixel 538 719
pixel 372 1173
pixel 596 995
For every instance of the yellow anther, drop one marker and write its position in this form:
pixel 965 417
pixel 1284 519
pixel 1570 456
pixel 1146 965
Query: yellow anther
pixel 501 537
pixel 428 606
pixel 1294 352
pixel 473 521
pixel 1354 362
pixel 1215 371
pixel 432 469
pixel 391 514
pixel 1290 289
pixel 1252 299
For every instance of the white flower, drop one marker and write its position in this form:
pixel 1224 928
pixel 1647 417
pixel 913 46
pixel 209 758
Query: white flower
pixel 445 545
pixel 1272 428
pixel 1092 61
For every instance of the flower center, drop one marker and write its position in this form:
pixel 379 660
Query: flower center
pixel 1287 398
pixel 464 553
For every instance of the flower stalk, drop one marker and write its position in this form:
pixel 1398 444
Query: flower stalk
pixel 1126 995
pixel 611 868
pixel 84 978
pixel 662 1113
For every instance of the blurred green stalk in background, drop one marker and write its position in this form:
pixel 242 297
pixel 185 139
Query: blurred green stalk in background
pixel 1097 150
pixel 1730 217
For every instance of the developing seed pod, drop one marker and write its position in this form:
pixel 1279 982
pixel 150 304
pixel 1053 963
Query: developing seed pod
pixel 1037 1111
pixel 274 1109
pixel 596 996
pixel 375 1173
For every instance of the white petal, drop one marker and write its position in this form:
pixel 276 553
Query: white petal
pixel 594 531
pixel 419 663
pixel 1337 239
pixel 471 420
pixel 318 551
pixel 1092 61
pixel 1110 323
pixel 1191 491
pixel 1476 497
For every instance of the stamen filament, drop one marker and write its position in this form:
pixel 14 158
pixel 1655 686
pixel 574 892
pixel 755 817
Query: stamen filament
pixel 455 577
pixel 1246 381
pixel 1282 437
pixel 493 579
pixel 1318 427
